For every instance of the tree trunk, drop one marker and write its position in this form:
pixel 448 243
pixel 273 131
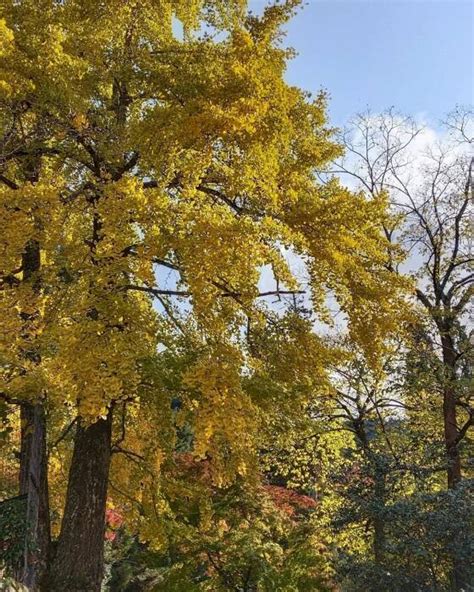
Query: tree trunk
pixel 460 576
pixel 450 437
pixel 78 564
pixel 449 411
pixel 34 485
pixel 379 472
pixel 33 456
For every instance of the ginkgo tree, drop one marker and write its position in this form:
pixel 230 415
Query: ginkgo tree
pixel 151 151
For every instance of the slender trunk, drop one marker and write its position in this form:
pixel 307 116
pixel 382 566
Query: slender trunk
pixel 78 564
pixel 34 485
pixel 379 472
pixel 450 437
pixel 449 411
pixel 460 576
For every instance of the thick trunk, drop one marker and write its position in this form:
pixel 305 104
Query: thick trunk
pixel 78 563
pixel 34 485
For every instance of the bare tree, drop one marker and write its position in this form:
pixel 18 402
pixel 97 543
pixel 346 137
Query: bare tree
pixel 430 186
pixel 430 183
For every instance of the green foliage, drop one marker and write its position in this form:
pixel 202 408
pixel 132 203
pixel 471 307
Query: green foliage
pixel 423 532
pixel 10 585
pixel 232 539
pixel 12 532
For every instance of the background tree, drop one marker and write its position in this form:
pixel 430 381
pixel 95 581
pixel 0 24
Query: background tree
pixel 431 189
pixel 434 195
pixel 410 534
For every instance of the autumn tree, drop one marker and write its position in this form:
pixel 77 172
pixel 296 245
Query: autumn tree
pixel 151 151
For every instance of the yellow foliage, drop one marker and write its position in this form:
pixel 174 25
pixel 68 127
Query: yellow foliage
pixel 143 163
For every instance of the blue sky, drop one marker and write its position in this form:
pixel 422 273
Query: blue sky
pixel 417 55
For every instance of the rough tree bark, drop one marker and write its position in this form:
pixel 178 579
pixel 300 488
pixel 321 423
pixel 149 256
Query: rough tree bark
pixel 33 475
pixel 34 485
pixel 78 562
